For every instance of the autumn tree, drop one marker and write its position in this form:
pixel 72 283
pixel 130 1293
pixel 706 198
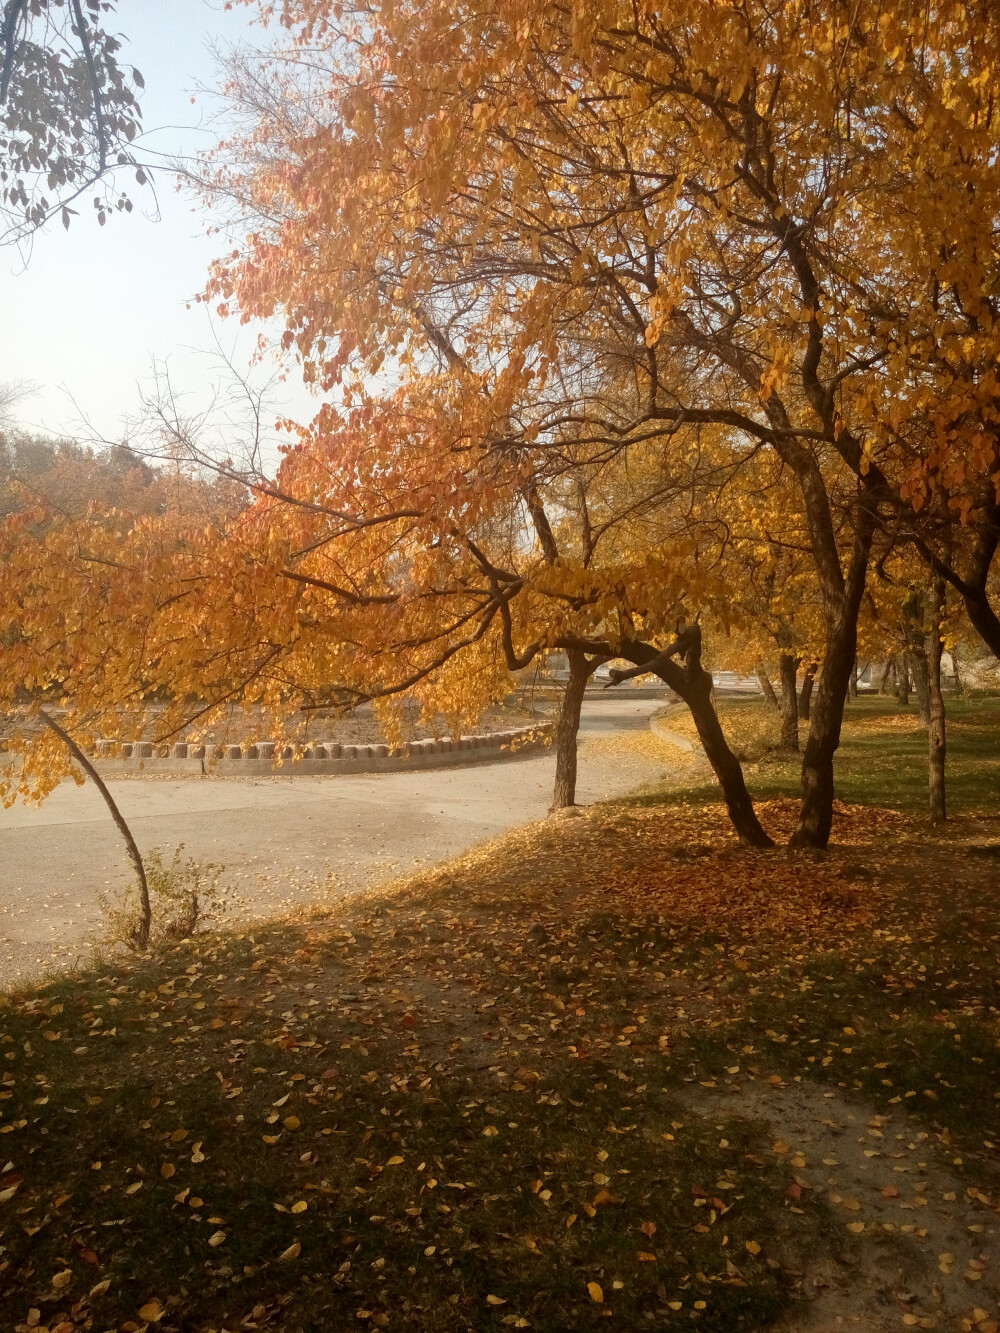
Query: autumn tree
pixel 68 111
pixel 732 205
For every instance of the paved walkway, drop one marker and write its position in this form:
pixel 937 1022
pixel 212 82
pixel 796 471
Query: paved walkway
pixel 283 840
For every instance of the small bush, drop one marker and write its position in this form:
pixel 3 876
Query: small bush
pixel 182 895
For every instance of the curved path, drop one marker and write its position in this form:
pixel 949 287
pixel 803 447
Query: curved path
pixel 284 841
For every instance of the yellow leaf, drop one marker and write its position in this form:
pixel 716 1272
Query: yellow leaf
pixel 291 1122
pixel 167 1169
pixel 753 1247
pixel 99 1288
pixel 152 1311
pixel 196 1153
pixel 216 1238
pixel 596 1294
pixel 300 1207
pixel 293 1251
pixel 395 1161
pixel 62 1279
pixel 495 1300
pixel 856 1227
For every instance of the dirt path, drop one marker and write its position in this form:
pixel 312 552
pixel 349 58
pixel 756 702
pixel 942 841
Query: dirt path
pixel 286 842
pixel 920 1249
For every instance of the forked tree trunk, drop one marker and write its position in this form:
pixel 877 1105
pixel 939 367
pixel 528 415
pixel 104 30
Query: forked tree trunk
pixel 788 666
pixel 140 937
pixel 935 710
pixel 889 674
pixel 805 695
pixel 567 728
pixel 920 668
pixel 764 680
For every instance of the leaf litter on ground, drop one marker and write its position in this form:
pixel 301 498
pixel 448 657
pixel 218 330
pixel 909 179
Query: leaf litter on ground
pixel 573 1061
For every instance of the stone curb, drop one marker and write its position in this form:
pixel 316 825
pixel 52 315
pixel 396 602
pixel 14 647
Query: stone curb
pixel 265 758
pixel 657 727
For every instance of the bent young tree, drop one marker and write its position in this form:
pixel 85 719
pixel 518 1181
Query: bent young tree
pixel 693 683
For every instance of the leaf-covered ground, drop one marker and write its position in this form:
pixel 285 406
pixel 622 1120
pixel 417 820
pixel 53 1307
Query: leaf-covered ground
pixel 574 1080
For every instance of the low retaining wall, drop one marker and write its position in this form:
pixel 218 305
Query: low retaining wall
pixel 267 758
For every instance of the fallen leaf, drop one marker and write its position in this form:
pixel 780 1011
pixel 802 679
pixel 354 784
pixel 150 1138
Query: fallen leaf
pixel 293 1251
pixel 596 1294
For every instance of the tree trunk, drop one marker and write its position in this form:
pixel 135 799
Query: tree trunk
pixel 956 673
pixel 935 709
pixel 902 679
pixel 984 619
pixel 765 684
pixel 140 938
pixel 920 668
pixel 805 697
pixel 788 665
pixel 816 810
pixel 697 694
pixel 852 684
pixel 888 674
pixel 694 685
pixel 567 727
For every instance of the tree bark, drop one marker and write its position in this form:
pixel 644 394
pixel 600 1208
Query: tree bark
pixel 852 684
pixel 788 666
pixel 816 810
pixel 564 793
pixel 141 936
pixel 805 697
pixel 764 681
pixel 935 709
pixel 920 668
pixel 888 674
pixel 903 679
pixel 694 685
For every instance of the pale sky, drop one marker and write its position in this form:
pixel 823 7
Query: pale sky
pixel 93 306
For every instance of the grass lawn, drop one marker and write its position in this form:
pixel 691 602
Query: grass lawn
pixel 883 752
pixel 609 1072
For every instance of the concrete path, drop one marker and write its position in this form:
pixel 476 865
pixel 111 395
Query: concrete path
pixel 284 841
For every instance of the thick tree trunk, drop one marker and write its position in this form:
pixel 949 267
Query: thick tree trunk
pixel 788 666
pixel 816 810
pixel 805 696
pixel 694 685
pixel 567 728
pixel 919 667
pixel 764 681
pixel 140 938
pixel 984 619
pixel 935 710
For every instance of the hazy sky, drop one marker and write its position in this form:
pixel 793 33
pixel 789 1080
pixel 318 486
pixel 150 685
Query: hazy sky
pixel 91 308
